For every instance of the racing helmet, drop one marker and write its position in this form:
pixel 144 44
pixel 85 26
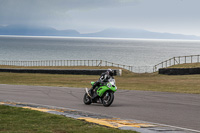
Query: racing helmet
pixel 110 72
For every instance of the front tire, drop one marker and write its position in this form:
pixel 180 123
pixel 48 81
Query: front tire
pixel 86 99
pixel 107 99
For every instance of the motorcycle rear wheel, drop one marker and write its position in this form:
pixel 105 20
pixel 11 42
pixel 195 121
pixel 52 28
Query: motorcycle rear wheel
pixel 86 99
pixel 107 99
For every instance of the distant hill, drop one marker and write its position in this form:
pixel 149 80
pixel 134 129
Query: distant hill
pixel 108 33
pixel 35 31
pixel 137 33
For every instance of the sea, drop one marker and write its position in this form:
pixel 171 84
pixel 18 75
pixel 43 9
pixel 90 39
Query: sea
pixel 133 52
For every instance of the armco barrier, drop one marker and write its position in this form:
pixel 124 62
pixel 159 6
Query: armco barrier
pixel 179 71
pixel 63 71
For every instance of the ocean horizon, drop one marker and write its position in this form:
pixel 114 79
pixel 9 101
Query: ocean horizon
pixel 99 38
pixel 127 51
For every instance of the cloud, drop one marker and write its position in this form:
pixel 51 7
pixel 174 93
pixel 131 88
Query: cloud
pixel 50 12
pixel 156 15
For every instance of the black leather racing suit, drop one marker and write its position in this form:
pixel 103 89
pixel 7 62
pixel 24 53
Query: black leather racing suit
pixel 103 79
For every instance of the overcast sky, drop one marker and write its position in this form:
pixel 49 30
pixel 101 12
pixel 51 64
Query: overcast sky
pixel 173 16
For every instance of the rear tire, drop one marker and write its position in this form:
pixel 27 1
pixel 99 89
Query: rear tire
pixel 86 99
pixel 107 99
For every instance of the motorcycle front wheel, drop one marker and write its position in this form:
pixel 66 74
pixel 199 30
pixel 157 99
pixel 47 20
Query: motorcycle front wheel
pixel 86 99
pixel 107 99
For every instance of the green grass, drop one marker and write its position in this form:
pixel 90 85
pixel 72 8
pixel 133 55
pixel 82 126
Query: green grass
pixel 187 65
pixel 129 80
pixel 20 120
pixel 162 83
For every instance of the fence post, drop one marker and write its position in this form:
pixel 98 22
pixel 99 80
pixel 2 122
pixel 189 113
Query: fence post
pixel 100 63
pixel 191 58
pixel 174 60
pixel 185 59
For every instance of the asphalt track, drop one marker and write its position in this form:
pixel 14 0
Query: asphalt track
pixel 181 110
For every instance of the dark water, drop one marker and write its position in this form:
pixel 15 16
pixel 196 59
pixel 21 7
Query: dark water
pixel 133 52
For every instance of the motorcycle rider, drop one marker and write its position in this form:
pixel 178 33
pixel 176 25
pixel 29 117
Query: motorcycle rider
pixel 103 79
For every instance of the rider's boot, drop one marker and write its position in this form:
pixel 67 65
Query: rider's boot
pixel 92 93
pixel 88 92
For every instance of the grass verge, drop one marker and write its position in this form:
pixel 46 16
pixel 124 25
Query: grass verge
pixel 20 120
pixel 129 80
pixel 186 65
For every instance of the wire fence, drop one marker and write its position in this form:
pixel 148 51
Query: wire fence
pixel 136 69
pixel 177 60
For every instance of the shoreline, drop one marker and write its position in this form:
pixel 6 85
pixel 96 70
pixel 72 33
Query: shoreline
pixel 98 38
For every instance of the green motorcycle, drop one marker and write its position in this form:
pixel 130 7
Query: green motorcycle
pixel 104 92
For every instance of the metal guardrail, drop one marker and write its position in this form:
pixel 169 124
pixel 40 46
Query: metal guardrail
pixel 177 60
pixel 136 69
